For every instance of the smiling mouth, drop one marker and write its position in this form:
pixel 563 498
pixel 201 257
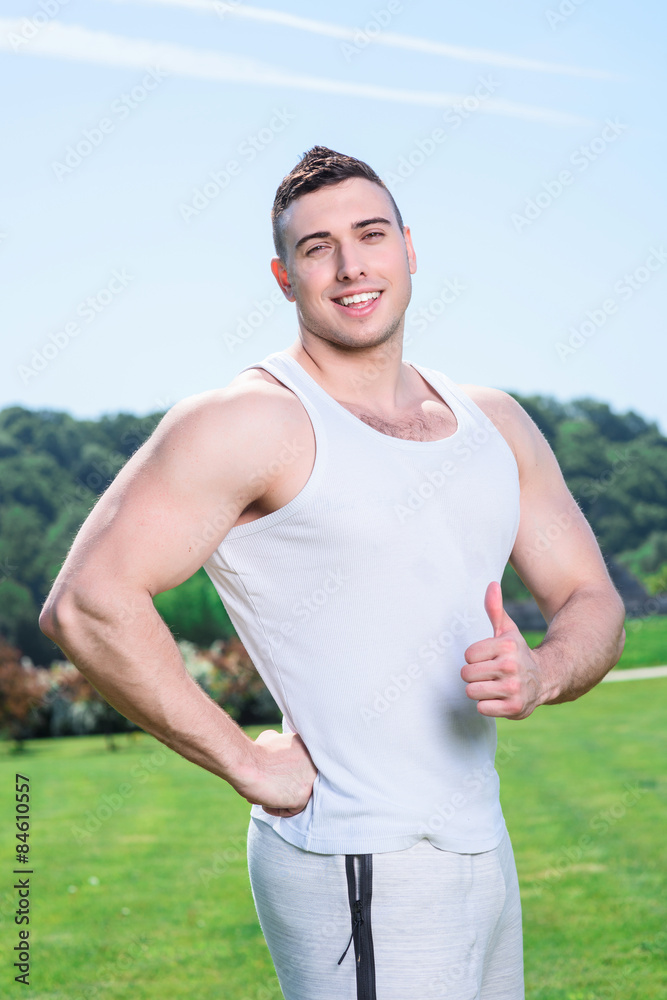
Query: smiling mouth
pixel 358 301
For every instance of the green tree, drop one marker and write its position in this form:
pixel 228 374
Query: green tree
pixel 194 611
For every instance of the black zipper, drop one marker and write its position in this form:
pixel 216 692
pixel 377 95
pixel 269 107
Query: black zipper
pixel 360 909
pixel 366 959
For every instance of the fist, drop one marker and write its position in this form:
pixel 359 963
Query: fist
pixel 501 673
pixel 284 776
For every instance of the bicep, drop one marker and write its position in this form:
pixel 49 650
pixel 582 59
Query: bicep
pixel 171 504
pixel 156 524
pixel 555 551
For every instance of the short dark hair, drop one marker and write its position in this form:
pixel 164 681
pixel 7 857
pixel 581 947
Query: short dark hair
pixel 318 167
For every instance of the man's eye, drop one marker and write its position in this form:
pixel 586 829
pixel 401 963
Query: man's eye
pixel 375 232
pixel 318 246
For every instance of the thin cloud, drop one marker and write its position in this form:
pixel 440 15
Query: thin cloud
pixel 81 44
pixel 465 53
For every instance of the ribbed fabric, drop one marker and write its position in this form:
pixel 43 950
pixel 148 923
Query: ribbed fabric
pixel 356 602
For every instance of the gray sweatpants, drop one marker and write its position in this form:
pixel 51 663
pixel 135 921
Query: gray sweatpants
pixel 443 924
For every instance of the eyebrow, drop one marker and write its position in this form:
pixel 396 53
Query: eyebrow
pixel 355 225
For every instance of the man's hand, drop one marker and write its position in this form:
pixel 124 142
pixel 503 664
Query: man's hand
pixel 285 773
pixel 501 673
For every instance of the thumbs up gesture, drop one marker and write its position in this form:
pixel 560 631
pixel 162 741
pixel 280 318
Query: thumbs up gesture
pixel 501 673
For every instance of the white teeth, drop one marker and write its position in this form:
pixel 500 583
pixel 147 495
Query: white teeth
pixel 348 300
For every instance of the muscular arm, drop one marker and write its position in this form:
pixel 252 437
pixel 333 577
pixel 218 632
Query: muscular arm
pixel 164 514
pixel 558 558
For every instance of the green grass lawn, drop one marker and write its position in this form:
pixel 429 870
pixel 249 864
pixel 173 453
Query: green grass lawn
pixel 645 642
pixel 140 888
pixel 584 793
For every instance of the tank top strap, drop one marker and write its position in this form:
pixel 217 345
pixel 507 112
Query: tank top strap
pixel 291 374
pixel 288 370
pixel 284 367
pixel 277 364
pixel 458 400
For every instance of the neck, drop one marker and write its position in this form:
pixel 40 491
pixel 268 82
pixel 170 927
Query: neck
pixel 373 377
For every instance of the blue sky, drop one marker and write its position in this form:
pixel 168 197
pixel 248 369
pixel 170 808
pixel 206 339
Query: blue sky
pixel 524 144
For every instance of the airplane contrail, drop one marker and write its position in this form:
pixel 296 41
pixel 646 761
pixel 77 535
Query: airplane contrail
pixel 68 41
pixel 229 8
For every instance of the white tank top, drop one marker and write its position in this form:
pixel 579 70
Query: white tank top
pixel 356 602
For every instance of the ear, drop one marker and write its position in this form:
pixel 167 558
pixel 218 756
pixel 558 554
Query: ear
pixel 282 277
pixel 412 257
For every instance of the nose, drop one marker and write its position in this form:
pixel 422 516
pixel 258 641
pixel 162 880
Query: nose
pixel 350 264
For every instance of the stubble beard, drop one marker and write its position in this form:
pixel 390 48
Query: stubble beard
pixel 346 342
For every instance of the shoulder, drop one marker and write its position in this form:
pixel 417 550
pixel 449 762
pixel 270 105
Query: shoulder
pixel 246 419
pixel 252 398
pixel 519 429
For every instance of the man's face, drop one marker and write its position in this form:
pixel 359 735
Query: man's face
pixel 343 240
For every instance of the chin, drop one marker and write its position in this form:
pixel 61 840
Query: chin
pixel 363 339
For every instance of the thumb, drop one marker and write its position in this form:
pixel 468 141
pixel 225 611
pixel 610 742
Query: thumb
pixel 267 736
pixel 493 605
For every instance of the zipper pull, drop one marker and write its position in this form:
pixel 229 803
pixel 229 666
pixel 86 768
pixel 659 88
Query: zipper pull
pixel 358 920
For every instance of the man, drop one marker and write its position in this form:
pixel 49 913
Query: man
pixel 355 512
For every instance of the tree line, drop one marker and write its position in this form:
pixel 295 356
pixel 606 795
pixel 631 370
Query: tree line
pixel 53 468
